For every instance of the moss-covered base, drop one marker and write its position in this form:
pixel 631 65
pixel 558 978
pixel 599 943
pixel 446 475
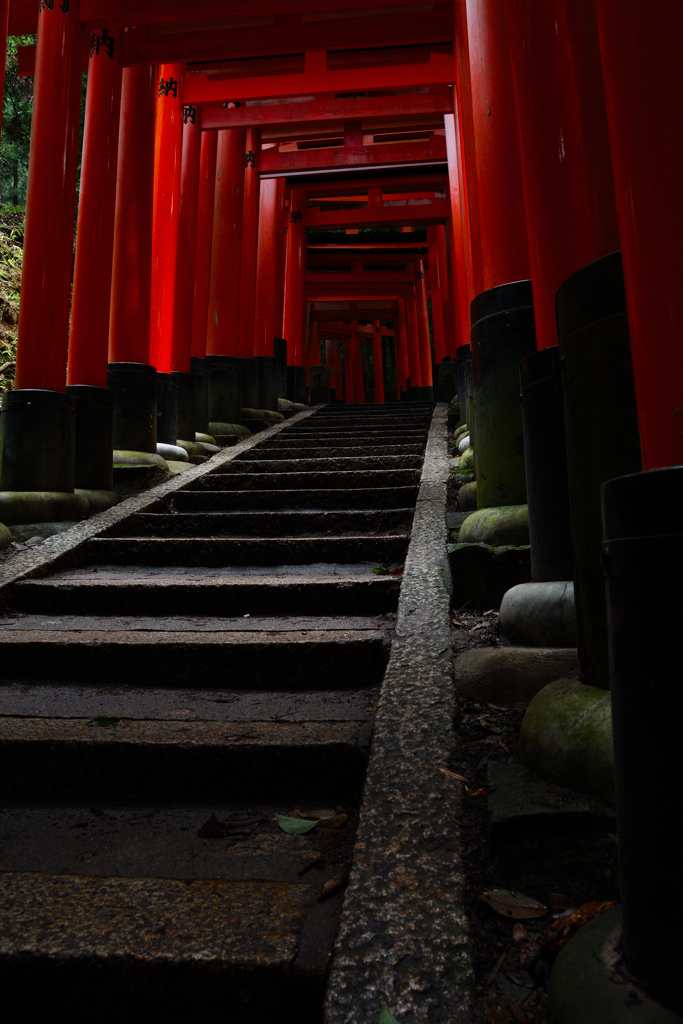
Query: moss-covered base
pixel 98 501
pixel 566 736
pixel 5 536
pixel 204 438
pixel 467 496
pixel 17 507
pixel 178 467
pixel 191 447
pixel 504 524
pixel 219 430
pixel 466 464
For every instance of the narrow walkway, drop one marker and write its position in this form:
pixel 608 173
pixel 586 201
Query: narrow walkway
pixel 219 652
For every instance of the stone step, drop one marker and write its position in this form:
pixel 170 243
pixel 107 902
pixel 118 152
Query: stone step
pixel 325 436
pixel 316 462
pixel 251 654
pixel 325 440
pixel 283 498
pixel 282 523
pixel 325 589
pixel 236 481
pixel 216 551
pixel 261 454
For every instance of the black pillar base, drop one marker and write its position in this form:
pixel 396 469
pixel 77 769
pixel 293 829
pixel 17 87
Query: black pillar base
pixel 503 333
pixel 267 370
pixel 94 437
pixel 135 406
pixel 642 557
pixel 167 409
pixel 601 425
pixel 447 381
pixel 296 384
pixel 462 358
pixel 185 384
pixel 201 377
pixel 249 383
pixel 225 389
pixel 427 393
pixel 37 441
pixel 545 457
pixel 320 390
pixel 280 354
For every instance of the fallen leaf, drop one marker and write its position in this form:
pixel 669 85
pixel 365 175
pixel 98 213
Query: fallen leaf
pixel 497 1015
pixel 386 1017
pixel 453 775
pixel 513 904
pixel 104 720
pixel 457 622
pixel 333 885
pixel 503 747
pixel 523 979
pixel 519 933
pixel 562 906
pixel 294 826
pixel 327 813
pixel 474 793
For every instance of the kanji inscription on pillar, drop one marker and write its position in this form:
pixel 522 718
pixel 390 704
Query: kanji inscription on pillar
pixel 49 5
pixel 189 114
pixel 168 88
pixel 296 217
pixel 104 42
pixel 250 160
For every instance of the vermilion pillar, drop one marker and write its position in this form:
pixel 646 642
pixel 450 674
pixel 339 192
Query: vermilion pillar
pixel 438 246
pixel 357 365
pixel 564 148
pixel 464 125
pixel 202 266
pixel 437 296
pixel 401 347
pixel 641 62
pixel 377 361
pixel 167 165
pixel 250 229
pixel 295 274
pixel 280 252
pixel 462 287
pixel 89 340
pixel 502 224
pixel 414 363
pixel 266 275
pixel 187 240
pixel 50 202
pixel 226 250
pixel 423 327
pixel 4 22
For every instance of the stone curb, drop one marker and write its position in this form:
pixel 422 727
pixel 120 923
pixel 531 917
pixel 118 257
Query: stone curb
pixel 404 938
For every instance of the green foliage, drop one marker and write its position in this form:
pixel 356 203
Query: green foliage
pixel 16 127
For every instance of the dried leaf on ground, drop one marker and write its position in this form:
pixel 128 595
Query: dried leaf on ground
pixel 233 827
pixel 333 885
pixel 519 933
pixel 453 775
pixel 294 826
pixel 513 904
pixel 562 930
pixel 475 793
pixel 562 906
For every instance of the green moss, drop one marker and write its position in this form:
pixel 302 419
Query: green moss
pixel 504 524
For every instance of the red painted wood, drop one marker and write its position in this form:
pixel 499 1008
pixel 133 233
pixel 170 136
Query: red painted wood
pixel 186 260
pixel 568 187
pixel 129 323
pixel 431 152
pixel 26 57
pixel 202 267
pixel 250 227
pixel 167 164
pixel 280 253
pixel 413 340
pixel 502 223
pixel 461 264
pixel 377 362
pixel 50 206
pixel 295 272
pixel 226 249
pixel 23 18
pixel 640 47
pixel 356 367
pixel 439 70
pixel 450 325
pixel 266 275
pixel 241 42
pixel 328 108
pixel 436 295
pixel 435 211
pixel 401 340
pixel 467 162
pixel 4 23
pixel 423 327
pixel 89 339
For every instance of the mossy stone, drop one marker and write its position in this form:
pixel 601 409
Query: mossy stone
pixel 223 429
pixel 191 447
pixel 252 414
pixel 272 417
pixel 566 736
pixel 300 407
pixel 466 464
pixel 503 524
pixel 467 496
pixel 175 452
pixel 5 536
pixel 178 467
pixel 17 507
pixel 98 501
pixel 460 432
pixel 209 449
pixel 125 459
pixel 204 438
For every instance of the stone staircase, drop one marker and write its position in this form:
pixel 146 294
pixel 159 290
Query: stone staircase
pixel 219 652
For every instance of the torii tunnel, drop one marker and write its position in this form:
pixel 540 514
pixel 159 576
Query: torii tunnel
pixel 473 206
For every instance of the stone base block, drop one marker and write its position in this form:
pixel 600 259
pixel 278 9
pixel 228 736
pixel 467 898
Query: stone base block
pixel 511 675
pixel 5 536
pixel 178 467
pixel 483 573
pixel 566 736
pixel 18 507
pixel 98 501
pixel 204 438
pixel 175 452
pixel 502 524
pixel 228 430
pixel 467 497
pixel 540 614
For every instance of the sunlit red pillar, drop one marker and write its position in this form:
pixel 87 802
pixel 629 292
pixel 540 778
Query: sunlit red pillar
pixel 167 165
pixel 564 148
pixel 202 266
pixel 436 237
pixel 377 361
pixel 266 275
pixel 226 249
pixel 250 232
pixel 464 125
pixel 640 46
pixel 187 240
pixel 414 362
pixel 129 322
pixel 437 296
pixel 50 201
pixel 423 326
pixel 280 257
pixel 462 282
pixel 89 339
pixel 295 274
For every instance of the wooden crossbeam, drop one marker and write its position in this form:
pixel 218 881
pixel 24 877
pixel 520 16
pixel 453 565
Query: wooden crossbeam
pixel 435 211
pixel 346 157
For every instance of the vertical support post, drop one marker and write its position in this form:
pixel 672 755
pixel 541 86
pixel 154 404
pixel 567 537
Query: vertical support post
pixel 295 275
pixel 377 362
pixel 436 292
pixel 266 273
pixel 462 287
pixel 401 348
pixel 186 259
pixel 467 164
pixel 280 253
pixel 414 363
pixel 167 166
pixel 356 365
pixel 226 250
pixel 4 25
pixel 202 266
pixel 425 348
pixel 250 232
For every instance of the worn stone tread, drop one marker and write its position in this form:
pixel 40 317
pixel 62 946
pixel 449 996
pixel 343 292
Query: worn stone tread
pixel 305 480
pixel 271 523
pixel 354 626
pixel 323 497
